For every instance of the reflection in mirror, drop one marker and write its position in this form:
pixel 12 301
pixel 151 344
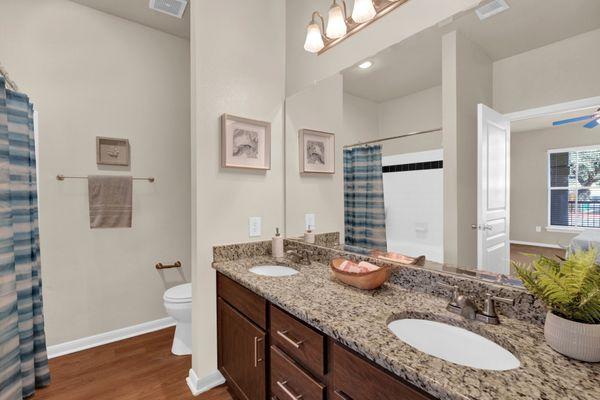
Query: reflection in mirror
pixel 467 146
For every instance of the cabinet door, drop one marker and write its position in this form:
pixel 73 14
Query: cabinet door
pixel 241 353
pixel 356 379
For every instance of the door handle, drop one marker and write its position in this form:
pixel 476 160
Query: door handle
pixel 283 386
pixel 475 227
pixel 342 395
pixel 256 359
pixel 295 343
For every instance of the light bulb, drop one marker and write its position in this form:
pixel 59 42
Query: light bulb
pixel 363 11
pixel 314 40
pixel 336 24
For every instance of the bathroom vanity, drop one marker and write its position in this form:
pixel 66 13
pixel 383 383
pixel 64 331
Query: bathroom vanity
pixel 264 350
pixel 307 336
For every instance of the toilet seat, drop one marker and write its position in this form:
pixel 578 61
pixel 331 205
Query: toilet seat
pixel 179 294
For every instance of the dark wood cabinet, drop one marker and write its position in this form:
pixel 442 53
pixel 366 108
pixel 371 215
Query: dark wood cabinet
pixel 357 379
pixel 290 381
pixel 266 353
pixel 302 343
pixel 241 353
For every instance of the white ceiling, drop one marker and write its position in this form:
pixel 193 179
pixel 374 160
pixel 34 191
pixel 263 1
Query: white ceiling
pixel 139 11
pixel 545 122
pixel 415 64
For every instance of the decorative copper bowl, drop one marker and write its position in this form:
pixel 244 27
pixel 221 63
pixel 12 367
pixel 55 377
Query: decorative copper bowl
pixel 406 260
pixel 363 280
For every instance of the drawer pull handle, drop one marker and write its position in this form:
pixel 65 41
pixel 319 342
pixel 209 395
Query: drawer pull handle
pixel 342 395
pixel 291 341
pixel 256 359
pixel 283 386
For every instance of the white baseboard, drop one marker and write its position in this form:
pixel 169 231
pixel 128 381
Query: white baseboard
pixel 549 246
pixel 108 337
pixel 208 382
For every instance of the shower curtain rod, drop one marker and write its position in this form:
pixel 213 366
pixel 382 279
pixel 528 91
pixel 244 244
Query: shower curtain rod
pixel 393 137
pixel 9 81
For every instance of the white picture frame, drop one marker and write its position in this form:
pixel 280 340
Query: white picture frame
pixel 317 152
pixel 245 143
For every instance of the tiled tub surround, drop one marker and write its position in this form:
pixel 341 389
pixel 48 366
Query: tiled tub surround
pixel 359 320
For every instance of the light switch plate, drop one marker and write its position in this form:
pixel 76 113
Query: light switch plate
pixel 254 226
pixel 309 221
pixel 538 228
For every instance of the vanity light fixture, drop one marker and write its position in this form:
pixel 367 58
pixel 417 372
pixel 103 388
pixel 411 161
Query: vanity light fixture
pixel 365 65
pixel 314 37
pixel 363 11
pixel 336 24
pixel 340 26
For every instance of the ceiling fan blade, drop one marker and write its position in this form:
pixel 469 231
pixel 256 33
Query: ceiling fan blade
pixel 592 124
pixel 570 120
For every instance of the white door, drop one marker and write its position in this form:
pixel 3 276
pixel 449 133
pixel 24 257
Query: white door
pixel 493 191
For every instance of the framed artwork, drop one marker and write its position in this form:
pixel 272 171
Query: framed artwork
pixel 112 151
pixel 317 152
pixel 245 143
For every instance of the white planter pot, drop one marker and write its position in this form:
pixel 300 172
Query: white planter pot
pixel 573 339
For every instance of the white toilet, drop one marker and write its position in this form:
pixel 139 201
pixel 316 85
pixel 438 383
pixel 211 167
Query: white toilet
pixel 178 303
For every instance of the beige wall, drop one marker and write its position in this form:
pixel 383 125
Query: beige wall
pixel 304 68
pixel 319 107
pixel 416 112
pixel 91 74
pixel 467 81
pixel 560 72
pixel 529 180
pixel 238 68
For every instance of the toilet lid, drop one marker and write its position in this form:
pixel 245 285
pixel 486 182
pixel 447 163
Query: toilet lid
pixel 179 294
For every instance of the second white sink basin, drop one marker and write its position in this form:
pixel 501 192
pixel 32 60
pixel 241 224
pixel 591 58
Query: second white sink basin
pixel 454 344
pixel 273 270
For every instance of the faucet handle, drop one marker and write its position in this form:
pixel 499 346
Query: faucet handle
pixel 455 292
pixel 489 309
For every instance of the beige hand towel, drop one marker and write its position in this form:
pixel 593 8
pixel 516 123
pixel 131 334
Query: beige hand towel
pixel 110 201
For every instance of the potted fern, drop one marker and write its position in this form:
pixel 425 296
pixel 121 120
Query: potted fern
pixel 571 290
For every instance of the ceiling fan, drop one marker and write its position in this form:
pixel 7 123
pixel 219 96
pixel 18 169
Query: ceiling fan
pixel 595 120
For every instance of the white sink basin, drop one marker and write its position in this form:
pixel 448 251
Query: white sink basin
pixel 454 344
pixel 273 270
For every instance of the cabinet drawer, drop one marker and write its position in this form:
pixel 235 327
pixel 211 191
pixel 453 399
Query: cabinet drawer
pixel 299 341
pixel 289 382
pixel 244 300
pixel 356 379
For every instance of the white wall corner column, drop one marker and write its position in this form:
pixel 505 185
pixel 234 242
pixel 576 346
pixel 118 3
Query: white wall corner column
pixel 237 68
pixel 467 79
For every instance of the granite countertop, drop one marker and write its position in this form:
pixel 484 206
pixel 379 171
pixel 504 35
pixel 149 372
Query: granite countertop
pixel 359 320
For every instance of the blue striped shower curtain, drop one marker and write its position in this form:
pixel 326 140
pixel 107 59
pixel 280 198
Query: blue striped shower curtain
pixel 364 208
pixel 23 358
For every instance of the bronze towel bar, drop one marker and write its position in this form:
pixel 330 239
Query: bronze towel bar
pixel 62 178
pixel 162 266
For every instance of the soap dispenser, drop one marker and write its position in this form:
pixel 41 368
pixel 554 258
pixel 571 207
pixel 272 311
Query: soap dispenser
pixel 277 245
pixel 309 236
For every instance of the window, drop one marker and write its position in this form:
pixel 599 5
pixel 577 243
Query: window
pixel 574 187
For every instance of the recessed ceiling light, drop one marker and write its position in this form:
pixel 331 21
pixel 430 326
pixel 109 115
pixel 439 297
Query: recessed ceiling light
pixel 365 65
pixel 492 8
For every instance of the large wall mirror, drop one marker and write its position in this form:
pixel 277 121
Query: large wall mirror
pixel 471 144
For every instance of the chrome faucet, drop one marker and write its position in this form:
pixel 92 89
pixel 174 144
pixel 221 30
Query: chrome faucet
pixel 464 306
pixel 301 256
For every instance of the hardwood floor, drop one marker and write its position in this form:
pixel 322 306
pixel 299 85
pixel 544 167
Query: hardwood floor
pixel 523 253
pixel 138 368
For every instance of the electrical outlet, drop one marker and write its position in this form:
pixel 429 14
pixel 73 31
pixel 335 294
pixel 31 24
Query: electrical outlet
pixel 254 226
pixel 538 229
pixel 309 221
